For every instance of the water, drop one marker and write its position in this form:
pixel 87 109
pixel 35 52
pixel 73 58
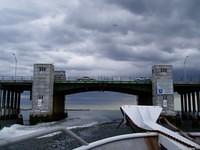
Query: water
pixel 90 125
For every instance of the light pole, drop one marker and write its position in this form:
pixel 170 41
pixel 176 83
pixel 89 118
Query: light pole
pixel 185 74
pixel 15 65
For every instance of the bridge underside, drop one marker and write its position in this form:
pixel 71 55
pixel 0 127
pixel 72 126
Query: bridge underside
pixel 190 100
pixel 141 90
pixel 9 103
pixel 133 89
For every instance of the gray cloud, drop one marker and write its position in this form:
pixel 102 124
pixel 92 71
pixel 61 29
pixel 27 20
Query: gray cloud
pixel 99 37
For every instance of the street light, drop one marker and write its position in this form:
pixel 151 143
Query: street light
pixel 185 75
pixel 15 64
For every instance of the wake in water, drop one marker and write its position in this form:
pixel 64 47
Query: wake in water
pixel 90 125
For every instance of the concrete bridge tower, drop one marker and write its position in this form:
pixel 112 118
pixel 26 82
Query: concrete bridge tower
pixel 162 88
pixel 42 90
pixel 47 104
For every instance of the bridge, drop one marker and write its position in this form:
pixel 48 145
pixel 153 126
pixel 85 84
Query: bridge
pixel 48 89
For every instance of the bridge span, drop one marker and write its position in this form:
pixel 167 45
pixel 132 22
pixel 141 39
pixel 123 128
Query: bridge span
pixel 24 83
pixel 48 89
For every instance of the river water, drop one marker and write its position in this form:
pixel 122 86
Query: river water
pixel 91 125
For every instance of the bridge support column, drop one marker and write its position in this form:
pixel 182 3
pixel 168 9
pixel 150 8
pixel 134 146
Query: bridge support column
pixel 0 103
pixel 4 104
pixel 18 102
pixel 162 88
pixel 42 93
pixel 8 105
pixel 185 102
pixel 144 99
pixel 11 105
pixel 182 104
pixel 189 103
pixel 198 102
pixel 15 104
pixel 193 103
pixel 59 106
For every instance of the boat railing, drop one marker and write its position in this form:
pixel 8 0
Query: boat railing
pixel 145 117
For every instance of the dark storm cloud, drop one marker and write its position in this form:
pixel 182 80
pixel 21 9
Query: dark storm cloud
pixel 182 8
pixel 101 37
pixel 136 6
pixel 129 53
pixel 82 35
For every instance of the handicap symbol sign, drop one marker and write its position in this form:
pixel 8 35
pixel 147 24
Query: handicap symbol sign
pixel 160 91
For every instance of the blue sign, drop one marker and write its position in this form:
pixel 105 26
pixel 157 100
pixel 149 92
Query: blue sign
pixel 160 91
pixel 165 86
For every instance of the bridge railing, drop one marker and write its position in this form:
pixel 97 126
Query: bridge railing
pixel 106 78
pixel 15 78
pixel 187 81
pixel 94 78
pixel 81 79
pixel 97 79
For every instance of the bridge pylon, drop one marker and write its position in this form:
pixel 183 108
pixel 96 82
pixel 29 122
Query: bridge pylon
pixel 46 104
pixel 162 88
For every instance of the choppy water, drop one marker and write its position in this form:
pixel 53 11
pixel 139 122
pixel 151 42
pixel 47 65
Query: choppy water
pixel 90 125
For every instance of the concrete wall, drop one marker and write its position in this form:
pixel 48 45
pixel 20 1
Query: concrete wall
pixel 162 87
pixel 42 90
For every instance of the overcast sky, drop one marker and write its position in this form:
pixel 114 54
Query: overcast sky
pixel 99 37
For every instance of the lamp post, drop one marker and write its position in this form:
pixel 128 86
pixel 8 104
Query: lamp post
pixel 15 65
pixel 185 74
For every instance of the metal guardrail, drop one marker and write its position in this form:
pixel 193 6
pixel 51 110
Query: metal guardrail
pixel 102 81
pixel 40 133
pixel 17 78
pixel 96 79
pixel 186 82
pixel 76 79
pixel 107 78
